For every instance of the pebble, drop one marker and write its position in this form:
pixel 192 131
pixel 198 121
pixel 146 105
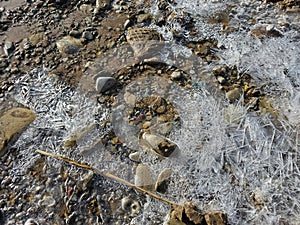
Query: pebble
pixel 176 75
pixel 105 83
pixel 68 45
pixel 143 17
pixel 127 23
pixel 135 156
pixel 143 177
pixel 75 33
pixel 162 180
pixel 129 98
pixel 36 38
pixel 102 4
pixel 146 125
pixel 12 122
pixel 234 94
pixel 87 35
pixel 8 48
pixel 221 79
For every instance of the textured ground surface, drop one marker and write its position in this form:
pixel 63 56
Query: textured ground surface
pixel 224 85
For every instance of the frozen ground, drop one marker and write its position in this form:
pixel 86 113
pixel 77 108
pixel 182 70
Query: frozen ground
pixel 230 159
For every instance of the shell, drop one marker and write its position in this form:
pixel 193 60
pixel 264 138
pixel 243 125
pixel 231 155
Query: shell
pixel 145 42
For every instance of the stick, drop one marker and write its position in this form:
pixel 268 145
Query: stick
pixel 107 175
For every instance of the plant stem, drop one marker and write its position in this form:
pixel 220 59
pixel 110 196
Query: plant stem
pixel 107 175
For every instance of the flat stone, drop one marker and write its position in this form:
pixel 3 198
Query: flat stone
pixel 105 83
pixel 162 180
pixel 12 123
pixel 68 45
pixel 143 177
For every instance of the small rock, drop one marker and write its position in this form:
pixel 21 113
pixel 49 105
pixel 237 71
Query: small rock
pixel 115 140
pixel 216 218
pixel 158 104
pixel 146 125
pixel 105 83
pixel 127 23
pixel 159 145
pixel 36 38
pixel 130 205
pixel 234 94
pixel 176 75
pixel 87 35
pixel 143 177
pixel 143 17
pixel 111 44
pixel 162 180
pixel 102 4
pixel 12 123
pixel 9 48
pixel 75 33
pixel 68 45
pixel 129 98
pixel 135 156
pixel 221 79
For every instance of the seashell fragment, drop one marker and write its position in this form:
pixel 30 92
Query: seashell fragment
pixel 159 145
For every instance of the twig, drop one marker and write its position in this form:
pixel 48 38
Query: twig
pixel 107 175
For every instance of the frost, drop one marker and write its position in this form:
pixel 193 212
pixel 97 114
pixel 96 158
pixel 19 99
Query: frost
pixel 230 159
pixel 61 112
